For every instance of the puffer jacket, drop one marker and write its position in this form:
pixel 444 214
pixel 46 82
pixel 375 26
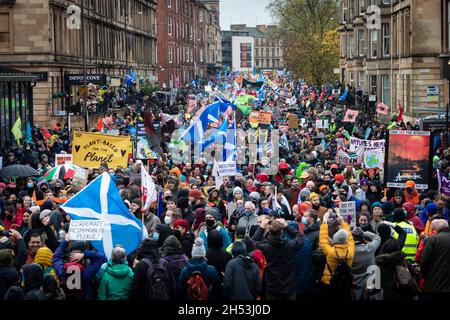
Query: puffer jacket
pixel 241 280
pixel 116 283
pixel 342 250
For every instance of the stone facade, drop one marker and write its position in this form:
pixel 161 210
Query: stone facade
pixel 399 61
pixel 34 37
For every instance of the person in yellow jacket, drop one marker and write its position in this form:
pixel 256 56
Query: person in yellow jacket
pixel 343 245
pixel 412 237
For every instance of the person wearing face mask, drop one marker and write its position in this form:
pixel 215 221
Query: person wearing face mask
pixel 30 187
pixel 212 224
pixel 410 193
pixel 363 222
pixel 311 228
pixel 249 217
pixel 168 218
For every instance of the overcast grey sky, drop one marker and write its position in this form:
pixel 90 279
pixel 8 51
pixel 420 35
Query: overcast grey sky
pixel 243 11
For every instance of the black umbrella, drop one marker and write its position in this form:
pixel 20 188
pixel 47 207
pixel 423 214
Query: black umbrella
pixel 18 170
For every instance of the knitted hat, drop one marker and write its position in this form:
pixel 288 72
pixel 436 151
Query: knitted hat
pixel 198 250
pixel 377 204
pixel 339 178
pixel 35 209
pixel 2 185
pixel 44 214
pixel 171 245
pixel 304 194
pixel 237 189
pixel 212 211
pixel 196 194
pixel 340 237
pixel 239 248
pixel 255 195
pixel 303 207
pixel 313 195
pixel 211 190
pixel 410 184
pixel 44 257
pixel 180 223
pixel 6 257
pixel 363 182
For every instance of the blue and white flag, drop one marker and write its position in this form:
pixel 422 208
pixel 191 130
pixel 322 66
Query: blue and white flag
pixel 196 131
pixel 229 150
pixel 221 132
pixel 100 200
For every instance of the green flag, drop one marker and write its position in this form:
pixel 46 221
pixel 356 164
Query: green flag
pixel 17 130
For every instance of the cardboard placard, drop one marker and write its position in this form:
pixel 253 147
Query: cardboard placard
pixel 226 168
pixel 87 230
pixel 63 158
pixel 347 210
pixel 260 117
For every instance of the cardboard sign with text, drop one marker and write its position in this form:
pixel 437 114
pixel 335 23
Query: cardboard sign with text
pixel 347 211
pixel 227 169
pixel 260 117
pixel 61 159
pixel 87 230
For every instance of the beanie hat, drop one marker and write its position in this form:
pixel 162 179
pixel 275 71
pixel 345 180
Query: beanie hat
pixel 211 190
pixel 363 182
pixel 340 237
pixel 171 245
pixel 198 250
pixel 212 212
pixel 180 223
pixel 47 205
pixel 196 194
pixel 322 187
pixel 377 204
pixel 303 207
pixel 6 257
pixel 255 195
pixel 44 257
pixel 313 195
pixel 410 184
pixel 239 248
pixel 44 214
pixel 237 189
pixel 304 194
pixel 339 178
pixel 262 177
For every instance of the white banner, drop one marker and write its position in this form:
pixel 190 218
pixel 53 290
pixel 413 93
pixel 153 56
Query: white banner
pixel 226 168
pixel 87 230
pixel 368 144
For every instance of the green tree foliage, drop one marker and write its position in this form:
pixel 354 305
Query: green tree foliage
pixel 308 29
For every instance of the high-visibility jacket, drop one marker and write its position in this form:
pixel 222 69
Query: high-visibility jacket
pixel 412 240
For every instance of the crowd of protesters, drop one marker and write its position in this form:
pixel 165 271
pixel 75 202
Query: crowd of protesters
pixel 254 236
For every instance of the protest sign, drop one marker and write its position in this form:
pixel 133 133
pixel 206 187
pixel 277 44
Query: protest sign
pixel 80 177
pixel 408 158
pixel 143 150
pixel 443 182
pixel 347 210
pixel 373 158
pixel 113 132
pixel 91 149
pixel 351 115
pixel 340 143
pixel 322 124
pixel 292 121
pixel 382 108
pixel 260 117
pixel 226 168
pixel 355 143
pixel 87 230
pixel 63 158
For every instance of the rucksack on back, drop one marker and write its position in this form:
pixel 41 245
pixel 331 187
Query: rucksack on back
pixel 342 278
pixel 156 286
pixel 196 287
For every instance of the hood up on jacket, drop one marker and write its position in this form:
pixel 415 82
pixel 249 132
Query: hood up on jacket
pixel 119 270
pixel 33 276
pixel 215 239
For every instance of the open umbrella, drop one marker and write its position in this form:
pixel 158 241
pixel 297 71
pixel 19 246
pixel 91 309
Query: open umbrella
pixel 61 172
pixel 18 170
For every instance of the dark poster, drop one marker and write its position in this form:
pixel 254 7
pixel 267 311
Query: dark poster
pixel 408 158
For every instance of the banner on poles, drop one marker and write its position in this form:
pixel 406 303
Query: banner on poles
pixel 408 158
pixel 355 143
pixel 91 149
pixel 443 182
pixel 87 230
pixel 63 158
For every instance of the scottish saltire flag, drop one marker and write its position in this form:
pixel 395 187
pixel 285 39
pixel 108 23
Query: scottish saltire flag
pixel 229 150
pixel 148 189
pixel 196 131
pixel 221 132
pixel 100 200
pixel 262 92
pixel 224 104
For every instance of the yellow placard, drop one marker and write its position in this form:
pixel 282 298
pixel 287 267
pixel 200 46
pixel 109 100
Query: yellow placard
pixel 91 149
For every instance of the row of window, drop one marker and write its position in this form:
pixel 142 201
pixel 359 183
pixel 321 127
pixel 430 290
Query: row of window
pixel 274 52
pixel 264 42
pixel 268 63
pixel 351 50
pixel 184 55
pixel 189 10
pixel 351 8
pixel 373 85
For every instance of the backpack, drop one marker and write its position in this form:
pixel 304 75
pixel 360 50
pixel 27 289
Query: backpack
pixel 404 280
pixel 342 278
pixel 196 287
pixel 156 286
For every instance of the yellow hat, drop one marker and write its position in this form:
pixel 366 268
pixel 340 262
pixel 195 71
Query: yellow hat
pixel 313 195
pixel 44 257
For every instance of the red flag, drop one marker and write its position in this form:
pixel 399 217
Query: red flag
pixel 46 134
pixel 400 115
pixel 100 124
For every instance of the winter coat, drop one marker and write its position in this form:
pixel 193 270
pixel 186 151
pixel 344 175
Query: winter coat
pixel 151 222
pixel 342 250
pixel 364 257
pixel 388 263
pixel 116 283
pixel 8 277
pixel 209 275
pixel 33 277
pixel 225 237
pixel 279 253
pixel 187 242
pixel 87 275
pixel 241 280
pixel 215 254
pixel 435 263
pixel 248 222
pixel 312 233
pixel 176 264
